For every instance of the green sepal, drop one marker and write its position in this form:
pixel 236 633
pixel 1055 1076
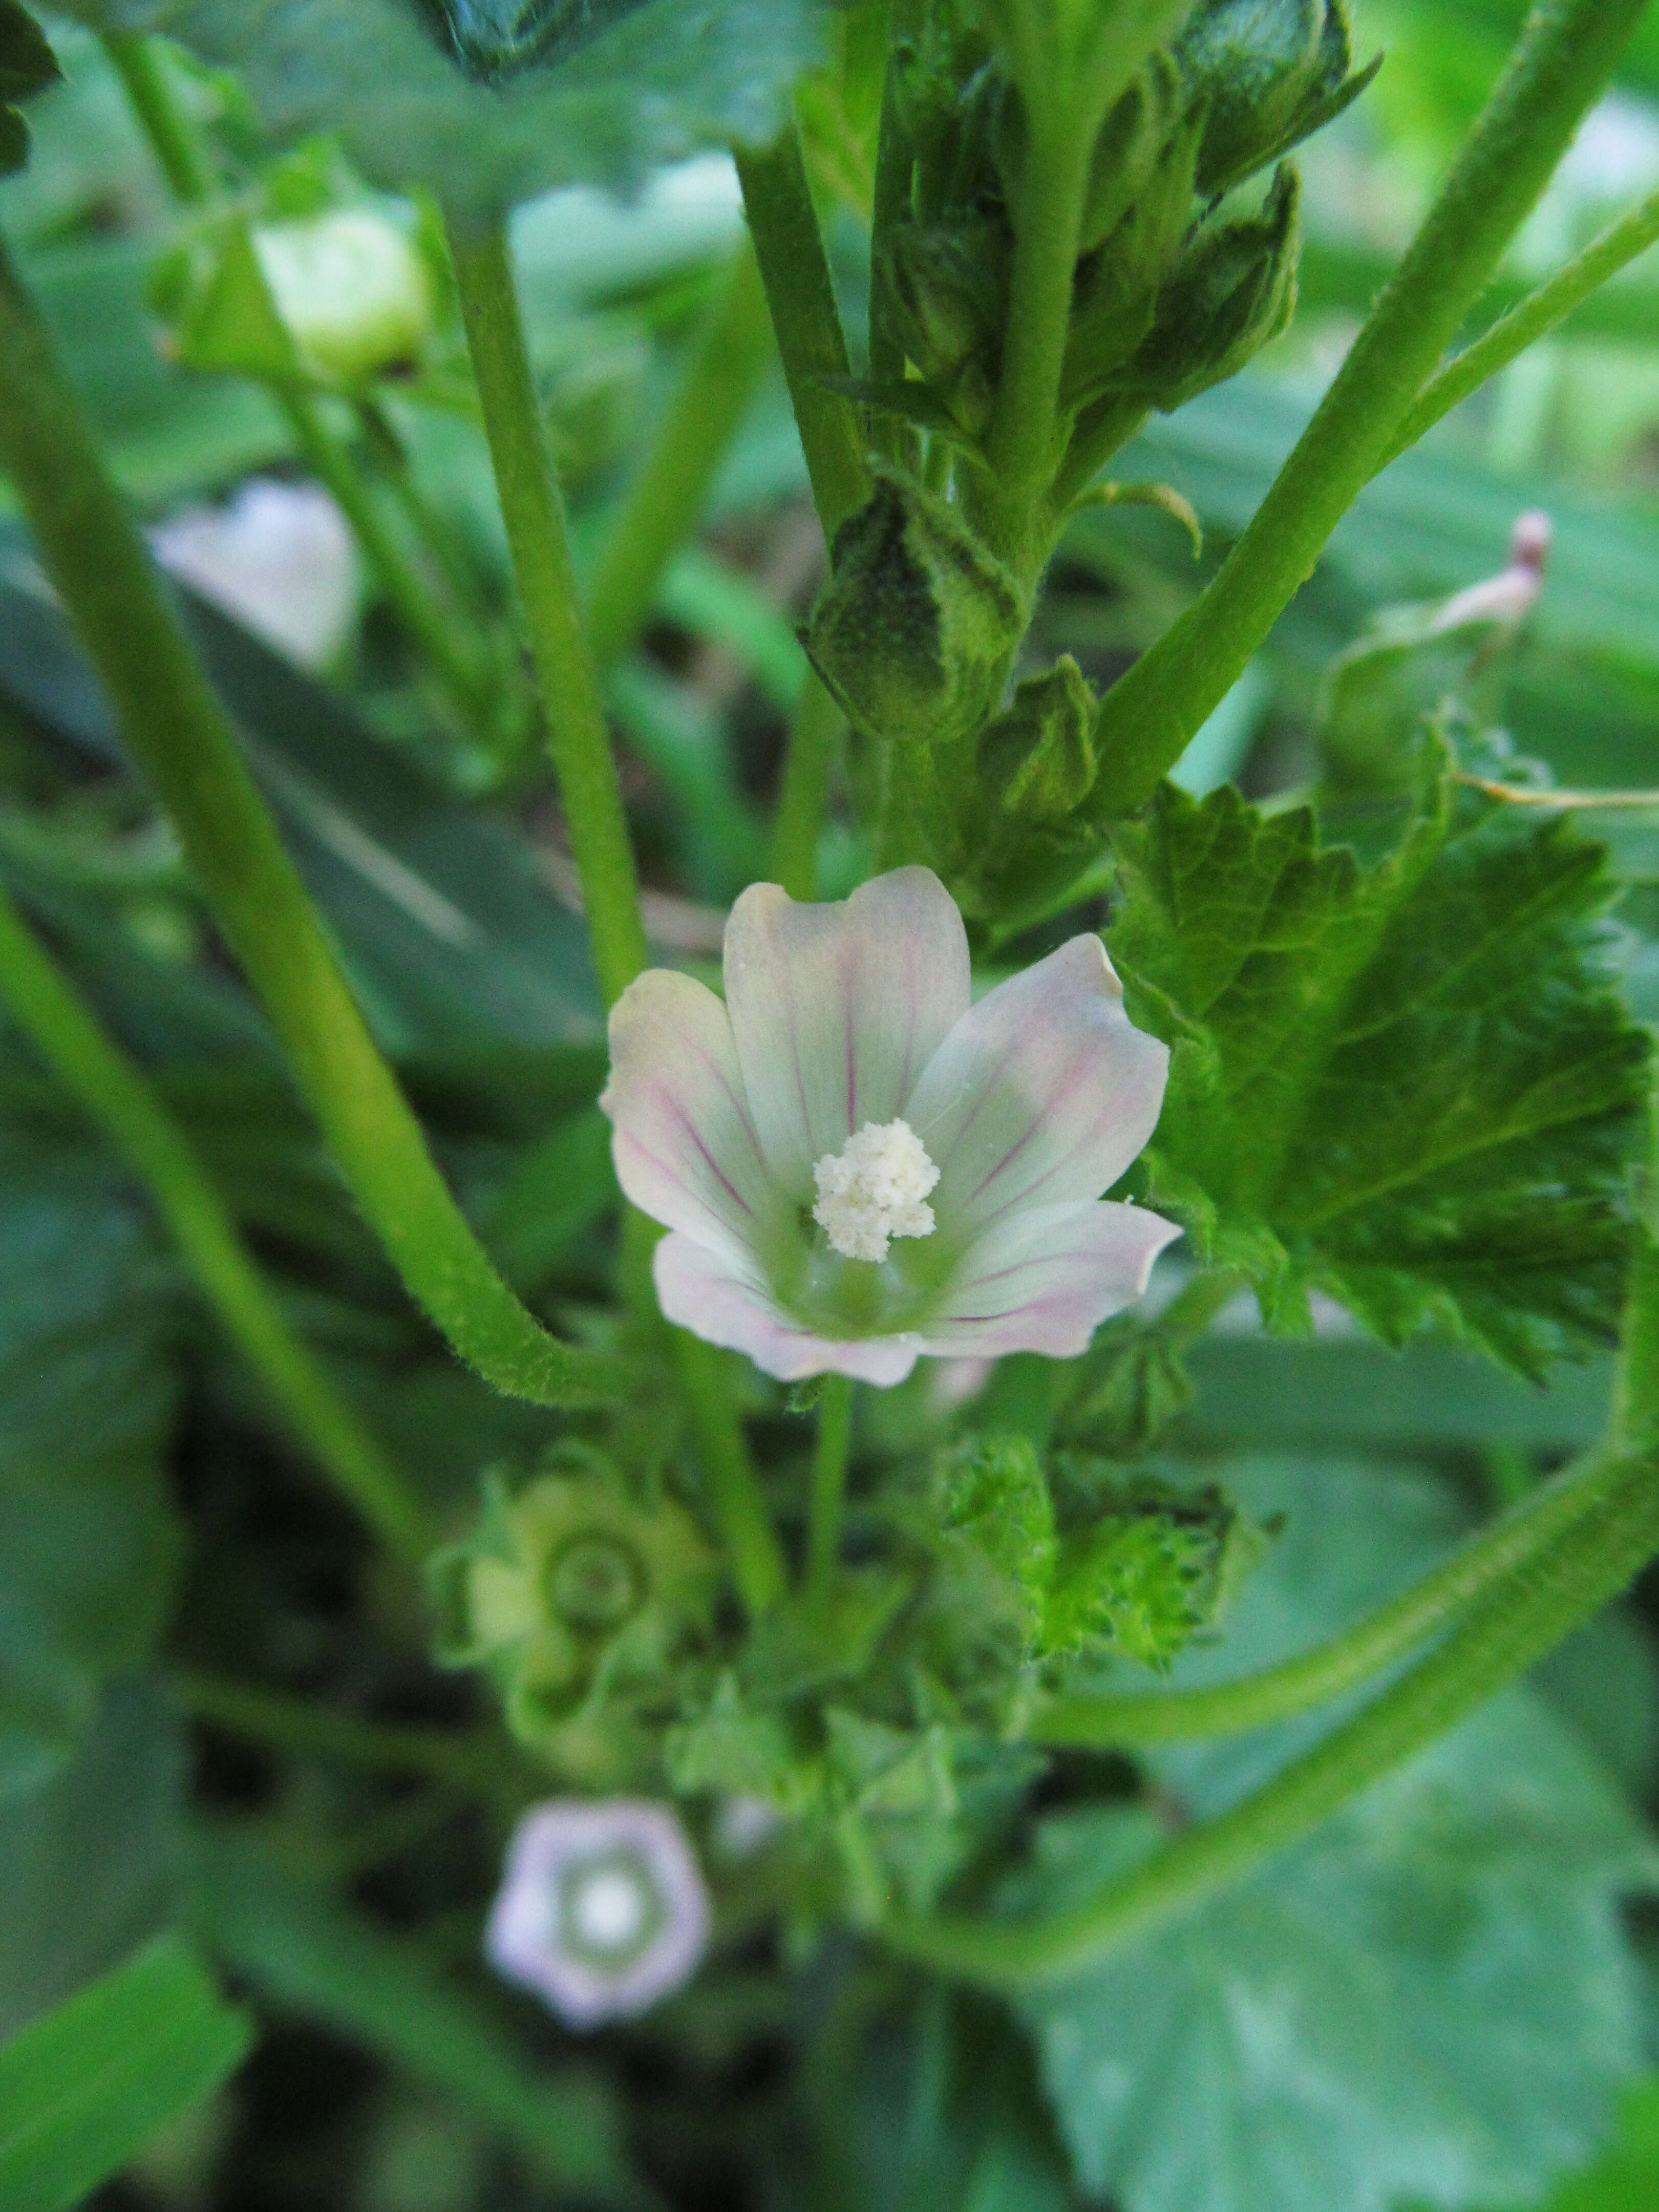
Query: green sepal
pixel 1149 1572
pixel 1270 73
pixel 915 628
pixel 1124 1391
pixel 1233 288
pixel 814 1638
pixel 883 1771
pixel 741 1753
pixel 27 65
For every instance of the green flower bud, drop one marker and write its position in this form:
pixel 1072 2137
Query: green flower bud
pixel 915 628
pixel 1269 72
pixel 948 287
pixel 568 1578
pixel 351 289
pixel 1131 147
pixel 1036 759
pixel 1232 290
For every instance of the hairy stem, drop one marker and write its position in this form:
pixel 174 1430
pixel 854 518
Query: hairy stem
pixel 113 1092
pixel 141 63
pixel 829 1494
pixel 182 741
pixel 533 511
pixel 1529 320
pixel 661 508
pixel 894 167
pixel 1344 1662
pixel 805 320
pixel 1565 56
pixel 808 767
pixel 1520 1621
pixel 734 1492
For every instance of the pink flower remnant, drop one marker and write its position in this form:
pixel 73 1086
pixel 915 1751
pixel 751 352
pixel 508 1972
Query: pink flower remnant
pixel 601 1908
pixel 856 1165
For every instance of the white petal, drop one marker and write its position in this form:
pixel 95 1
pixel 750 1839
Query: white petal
pixel 837 1008
pixel 1041 1095
pixel 725 1301
pixel 682 1137
pixel 1043 1279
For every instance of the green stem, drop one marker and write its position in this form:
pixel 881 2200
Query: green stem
pixel 1344 1662
pixel 835 1439
pixel 533 511
pixel 472 1766
pixel 141 63
pixel 1565 56
pixel 808 767
pixel 805 321
pixel 661 508
pixel 1519 1622
pixel 1022 442
pixel 894 188
pixel 734 1491
pixel 436 632
pixel 117 1096
pixel 179 736
pixel 1528 320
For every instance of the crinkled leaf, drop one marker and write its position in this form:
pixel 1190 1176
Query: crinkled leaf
pixel 1430 1998
pixel 1413 1086
pixel 1150 1569
pixel 88 1538
pixel 564 105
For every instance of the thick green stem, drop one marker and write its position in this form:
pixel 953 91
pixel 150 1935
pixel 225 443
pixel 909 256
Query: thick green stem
pixel 1528 320
pixel 533 511
pixel 142 65
pixel 437 633
pixel 1344 1662
pixel 661 508
pixel 113 1092
pixel 734 1492
pixel 1565 56
pixel 808 766
pixel 805 321
pixel 179 734
pixel 829 1495
pixel 1520 1621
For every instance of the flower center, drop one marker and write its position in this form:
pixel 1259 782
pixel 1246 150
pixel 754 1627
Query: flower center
pixel 595 1583
pixel 874 1189
pixel 609 1910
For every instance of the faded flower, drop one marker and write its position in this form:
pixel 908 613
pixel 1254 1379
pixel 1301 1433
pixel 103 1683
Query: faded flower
pixel 857 1166
pixel 601 1908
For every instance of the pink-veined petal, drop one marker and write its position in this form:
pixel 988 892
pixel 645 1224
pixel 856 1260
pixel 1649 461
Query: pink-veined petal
pixel 725 1301
pixel 836 1009
pixel 1043 1279
pixel 681 1134
pixel 1041 1095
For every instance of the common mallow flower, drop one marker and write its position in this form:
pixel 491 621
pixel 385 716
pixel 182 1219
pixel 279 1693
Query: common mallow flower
pixel 856 1165
pixel 601 1908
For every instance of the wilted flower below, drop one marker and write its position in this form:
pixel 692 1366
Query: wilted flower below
pixel 856 1166
pixel 601 1908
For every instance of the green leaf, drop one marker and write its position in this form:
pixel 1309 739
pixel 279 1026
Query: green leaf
pixel 90 1857
pixel 659 80
pixel 1431 1998
pixel 1625 2176
pixel 85 2087
pixel 88 1537
pixel 307 1955
pixel 1412 1087
pixel 1150 1569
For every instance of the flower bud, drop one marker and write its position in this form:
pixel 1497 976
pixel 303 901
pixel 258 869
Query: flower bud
pixel 948 285
pixel 1232 290
pixel 1268 72
pixel 915 628
pixel 1036 759
pixel 351 289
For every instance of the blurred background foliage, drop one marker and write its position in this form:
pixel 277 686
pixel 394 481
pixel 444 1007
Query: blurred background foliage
pixel 237 1729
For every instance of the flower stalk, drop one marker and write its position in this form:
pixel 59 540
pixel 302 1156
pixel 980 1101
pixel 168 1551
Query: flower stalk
pixel 828 1493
